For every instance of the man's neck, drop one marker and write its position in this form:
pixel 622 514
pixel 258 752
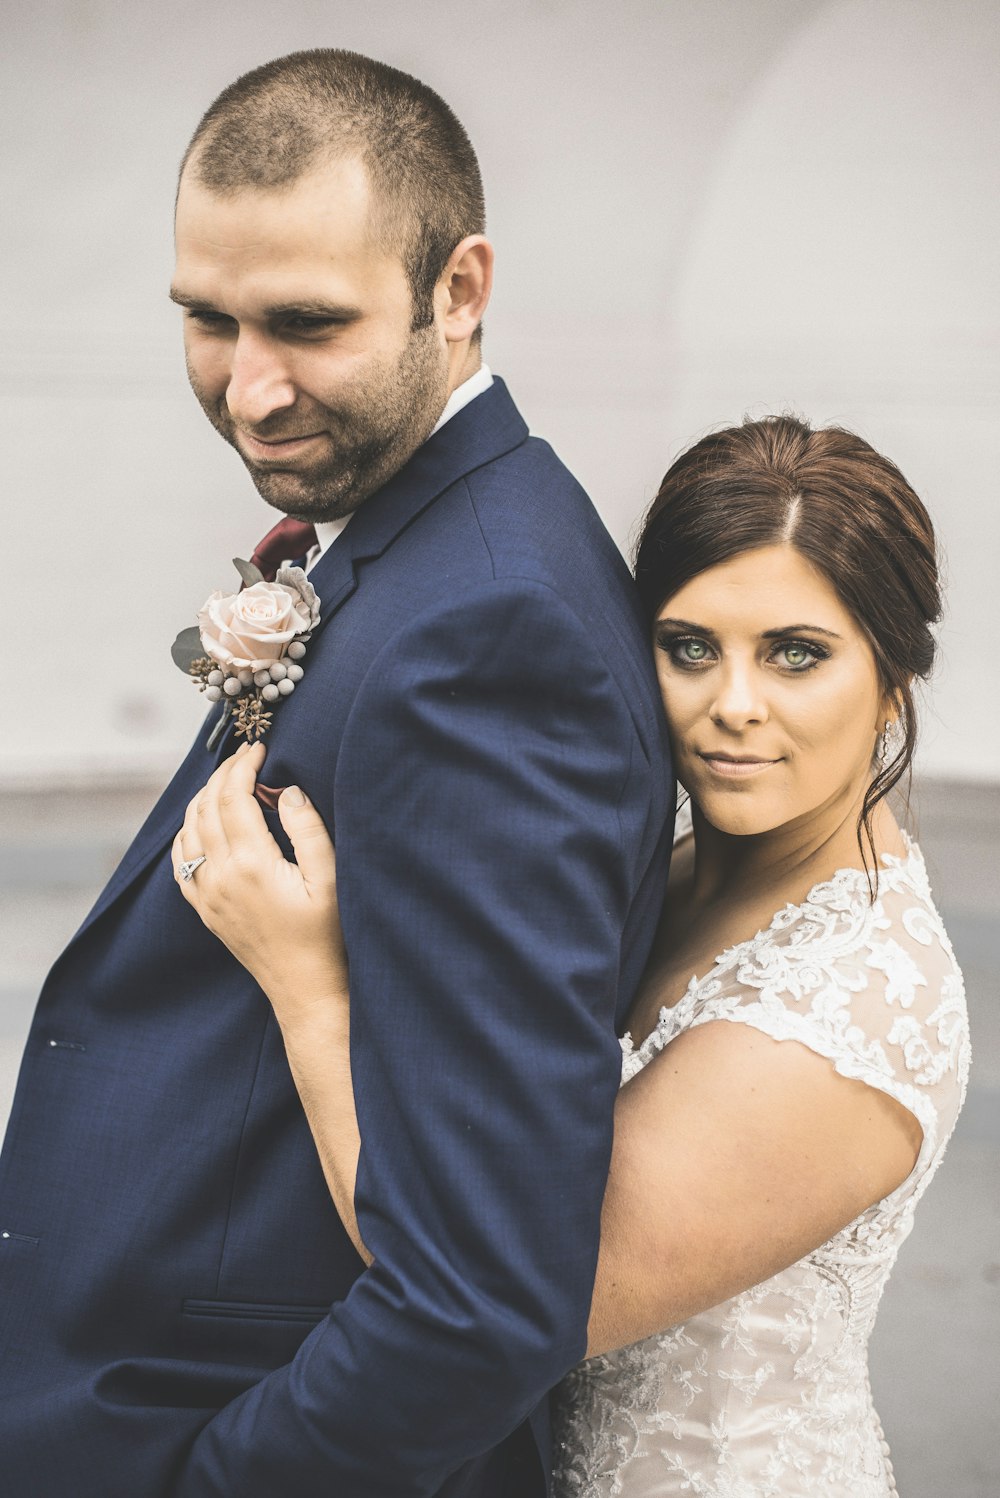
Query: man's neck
pixel 480 380
pixel 463 364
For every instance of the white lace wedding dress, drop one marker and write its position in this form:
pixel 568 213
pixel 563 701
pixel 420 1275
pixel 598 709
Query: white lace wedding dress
pixel 767 1395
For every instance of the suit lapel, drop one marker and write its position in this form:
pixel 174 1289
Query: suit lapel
pixel 162 824
pixel 480 433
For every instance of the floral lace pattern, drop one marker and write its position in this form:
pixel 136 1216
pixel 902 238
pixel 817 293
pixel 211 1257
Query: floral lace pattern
pixel 767 1395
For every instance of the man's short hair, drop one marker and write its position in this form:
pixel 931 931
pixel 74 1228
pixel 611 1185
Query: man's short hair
pixel 277 122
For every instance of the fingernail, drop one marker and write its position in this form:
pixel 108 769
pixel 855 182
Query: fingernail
pixel 292 796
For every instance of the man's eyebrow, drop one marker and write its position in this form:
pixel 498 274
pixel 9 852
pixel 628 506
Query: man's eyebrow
pixel 314 307
pixel 197 304
pixel 306 307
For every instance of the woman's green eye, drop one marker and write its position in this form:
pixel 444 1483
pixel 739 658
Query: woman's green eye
pixel 693 650
pixel 799 656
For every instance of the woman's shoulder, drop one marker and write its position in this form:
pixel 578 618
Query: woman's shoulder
pixel 874 964
pixel 870 984
pixel 869 978
pixel 888 922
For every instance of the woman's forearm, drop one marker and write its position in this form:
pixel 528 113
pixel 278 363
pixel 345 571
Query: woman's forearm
pixel 317 1044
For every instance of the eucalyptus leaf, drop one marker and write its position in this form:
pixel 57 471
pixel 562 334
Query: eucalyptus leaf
pixel 187 648
pixel 249 573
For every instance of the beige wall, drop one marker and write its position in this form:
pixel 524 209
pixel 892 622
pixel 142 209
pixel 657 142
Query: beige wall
pixel 701 208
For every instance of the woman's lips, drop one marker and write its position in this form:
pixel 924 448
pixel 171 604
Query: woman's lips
pixel 733 768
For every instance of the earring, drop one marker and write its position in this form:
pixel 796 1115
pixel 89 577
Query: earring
pixel 890 742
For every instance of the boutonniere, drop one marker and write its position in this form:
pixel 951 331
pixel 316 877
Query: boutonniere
pixel 246 649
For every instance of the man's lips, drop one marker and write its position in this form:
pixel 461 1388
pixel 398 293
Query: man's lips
pixel 274 448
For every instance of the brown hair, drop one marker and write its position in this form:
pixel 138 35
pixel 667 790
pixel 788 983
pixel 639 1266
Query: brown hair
pixel 279 121
pixel 847 509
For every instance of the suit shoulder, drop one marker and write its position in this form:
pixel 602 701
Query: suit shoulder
pixel 537 520
pixel 519 633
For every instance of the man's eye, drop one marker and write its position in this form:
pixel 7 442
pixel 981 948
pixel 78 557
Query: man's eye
pixel 206 319
pixel 311 324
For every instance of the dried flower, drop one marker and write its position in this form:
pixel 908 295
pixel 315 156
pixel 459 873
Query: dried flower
pixel 250 719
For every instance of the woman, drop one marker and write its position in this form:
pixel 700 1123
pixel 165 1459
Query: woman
pixel 784 1104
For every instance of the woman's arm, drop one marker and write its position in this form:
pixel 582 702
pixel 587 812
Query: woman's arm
pixel 318 1050
pixel 734 1154
pixel 280 921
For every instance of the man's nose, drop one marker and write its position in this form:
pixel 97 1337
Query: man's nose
pixel 260 382
pixel 740 699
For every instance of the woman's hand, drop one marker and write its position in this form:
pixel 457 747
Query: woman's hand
pixel 279 919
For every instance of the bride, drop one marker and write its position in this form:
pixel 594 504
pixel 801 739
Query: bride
pixel 798 1051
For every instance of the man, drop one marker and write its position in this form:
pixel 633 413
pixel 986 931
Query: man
pixel 479 725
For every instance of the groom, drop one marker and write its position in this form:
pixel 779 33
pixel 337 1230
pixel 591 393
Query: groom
pixel 181 1313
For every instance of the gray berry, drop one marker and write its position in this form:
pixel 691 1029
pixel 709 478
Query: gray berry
pixel 286 687
pixel 232 687
pixel 215 679
pixel 270 693
pixel 296 650
pixel 278 671
pixel 214 694
pixel 261 678
pixel 295 673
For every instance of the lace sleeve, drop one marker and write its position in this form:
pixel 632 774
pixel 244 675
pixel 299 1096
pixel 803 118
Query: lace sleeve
pixel 874 989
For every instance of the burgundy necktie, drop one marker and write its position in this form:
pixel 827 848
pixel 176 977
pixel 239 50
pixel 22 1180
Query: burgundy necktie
pixel 288 539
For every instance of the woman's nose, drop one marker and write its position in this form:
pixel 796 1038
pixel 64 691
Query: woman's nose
pixel 740 699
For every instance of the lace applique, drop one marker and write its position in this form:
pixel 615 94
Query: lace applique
pixel 767 1395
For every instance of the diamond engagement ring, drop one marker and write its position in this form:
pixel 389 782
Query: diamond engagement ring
pixel 186 869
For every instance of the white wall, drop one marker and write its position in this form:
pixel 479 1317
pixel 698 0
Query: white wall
pixel 701 208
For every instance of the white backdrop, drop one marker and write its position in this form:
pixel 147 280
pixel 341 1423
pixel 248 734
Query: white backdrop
pixel 701 208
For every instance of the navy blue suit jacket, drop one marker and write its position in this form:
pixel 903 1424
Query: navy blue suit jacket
pixel 182 1313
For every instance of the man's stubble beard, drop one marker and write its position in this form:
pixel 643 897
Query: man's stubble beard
pixel 373 437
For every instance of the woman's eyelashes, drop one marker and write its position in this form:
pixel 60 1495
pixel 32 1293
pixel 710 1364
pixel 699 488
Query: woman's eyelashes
pixel 688 652
pixel 792 656
pixel 799 655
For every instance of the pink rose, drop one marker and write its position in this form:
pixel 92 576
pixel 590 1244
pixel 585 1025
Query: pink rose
pixel 259 624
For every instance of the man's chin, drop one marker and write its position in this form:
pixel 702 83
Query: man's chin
pixel 300 497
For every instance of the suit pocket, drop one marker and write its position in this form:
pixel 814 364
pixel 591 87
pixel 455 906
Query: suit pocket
pixel 247 1310
pixel 259 1335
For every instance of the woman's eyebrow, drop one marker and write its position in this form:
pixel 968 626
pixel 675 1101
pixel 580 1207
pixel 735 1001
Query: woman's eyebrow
pixel 791 629
pixel 766 634
pixel 695 629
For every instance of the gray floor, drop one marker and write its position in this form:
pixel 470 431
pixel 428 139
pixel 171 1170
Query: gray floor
pixel 936 1354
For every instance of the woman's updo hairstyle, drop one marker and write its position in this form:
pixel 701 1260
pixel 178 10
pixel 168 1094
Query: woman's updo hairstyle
pixel 848 510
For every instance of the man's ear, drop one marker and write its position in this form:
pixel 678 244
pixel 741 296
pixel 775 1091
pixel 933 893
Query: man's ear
pixel 462 294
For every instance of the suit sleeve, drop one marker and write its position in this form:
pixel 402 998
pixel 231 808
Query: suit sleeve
pixel 491 795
